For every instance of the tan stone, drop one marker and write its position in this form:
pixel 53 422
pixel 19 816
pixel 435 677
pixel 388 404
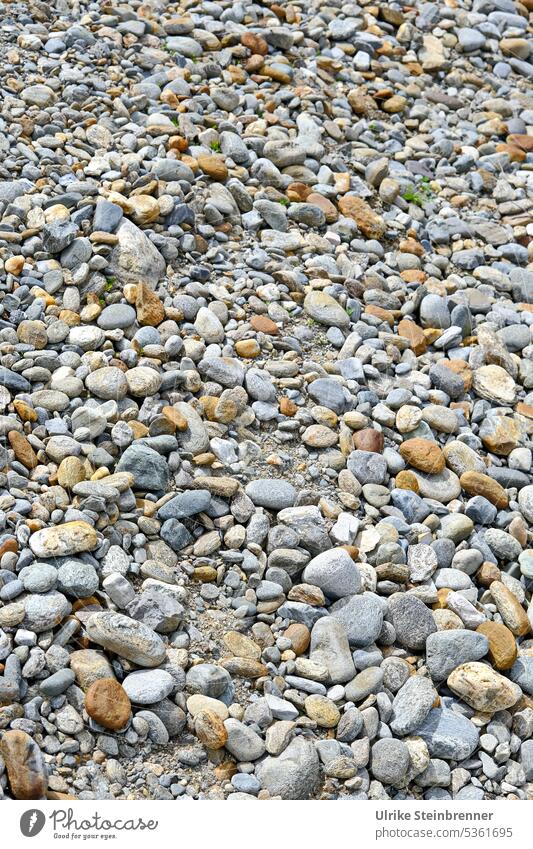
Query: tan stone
pixel 300 637
pixel 248 348
pixel 108 704
pixel 424 454
pixel 24 411
pixel 307 594
pixel 503 436
pixel 241 646
pixel 244 667
pixel 88 666
pixel 487 573
pixel 14 265
pixel 210 729
pixel 322 711
pixel 176 418
pixel 502 644
pixel 484 689
pixel 319 436
pixel 71 471
pixel 198 702
pixel 325 205
pixel 475 483
pixel 510 609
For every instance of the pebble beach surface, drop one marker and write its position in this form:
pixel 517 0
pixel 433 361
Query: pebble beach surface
pixel 266 400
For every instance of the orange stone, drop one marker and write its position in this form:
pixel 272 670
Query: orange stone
pixel 369 222
pixel 415 334
pixel 263 324
pixel 107 702
pixel 423 454
pixel 502 644
pixel 176 418
pixel 287 407
pixel 23 450
pixel 476 483
pixel 325 205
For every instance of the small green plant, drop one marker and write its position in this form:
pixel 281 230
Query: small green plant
pixel 421 195
pixel 311 322
pixel 109 283
pixel 284 201
pixel 101 301
pixel 373 126
pixel 215 145
pixel 349 310
pixel 169 50
pixel 175 122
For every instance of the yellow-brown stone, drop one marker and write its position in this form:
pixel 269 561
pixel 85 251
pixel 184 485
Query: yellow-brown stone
pixel 210 729
pixel 510 609
pixel 23 450
pixel 476 483
pixel 369 222
pixel 423 454
pixel 415 334
pixel 502 644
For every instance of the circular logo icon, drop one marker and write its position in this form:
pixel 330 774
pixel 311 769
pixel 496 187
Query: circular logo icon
pixel 32 822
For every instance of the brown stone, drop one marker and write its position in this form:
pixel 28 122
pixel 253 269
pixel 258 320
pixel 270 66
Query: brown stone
pixel 150 310
pixel 23 450
pixel 24 765
pixel 424 454
pixel 108 704
pixel 213 166
pixel 415 334
pixel 210 729
pixel 263 324
pixel 476 483
pixel 510 609
pixel 287 407
pixel 14 265
pixel 369 222
pixel 487 573
pixel 502 644
pixel 368 439
pixel 255 43
pixel 300 637
pixel 71 471
pixel 379 312
pixel 241 646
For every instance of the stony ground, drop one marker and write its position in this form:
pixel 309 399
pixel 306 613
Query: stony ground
pixel 266 402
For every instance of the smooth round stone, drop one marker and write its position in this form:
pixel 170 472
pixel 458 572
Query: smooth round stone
pixel 64 540
pixel 57 683
pixel 443 487
pixel 148 686
pixel 446 650
pixel 334 572
pixel 43 612
pixel 207 680
pixel 272 494
pixel 362 617
pixel 143 381
pixel 127 638
pixel 108 704
pixel 116 316
pixel 390 761
pixel 108 383
pixel 368 681
pixel 39 577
